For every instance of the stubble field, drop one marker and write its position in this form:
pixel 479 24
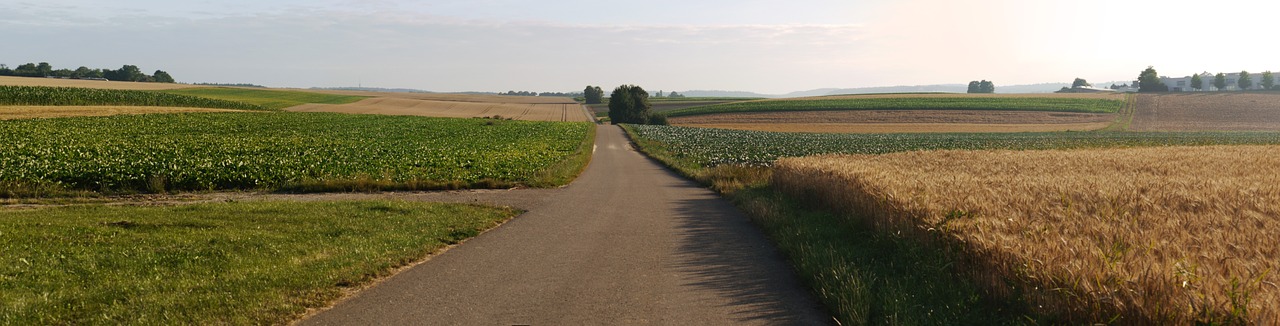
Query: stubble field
pixel 1169 235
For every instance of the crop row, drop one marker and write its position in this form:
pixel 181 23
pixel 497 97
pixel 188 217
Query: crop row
pixel 710 147
pixel 266 150
pixel 64 96
pixel 1086 105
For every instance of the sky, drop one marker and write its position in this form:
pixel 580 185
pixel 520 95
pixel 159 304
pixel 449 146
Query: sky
pixel 769 47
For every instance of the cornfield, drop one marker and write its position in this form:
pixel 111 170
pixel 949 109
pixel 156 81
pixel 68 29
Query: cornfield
pixel 70 96
pixel 1161 235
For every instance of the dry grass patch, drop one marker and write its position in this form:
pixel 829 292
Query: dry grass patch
pixel 32 112
pixel 1169 235
pixel 58 82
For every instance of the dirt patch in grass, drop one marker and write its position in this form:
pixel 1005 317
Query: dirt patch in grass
pixel 887 121
pixel 32 112
pixel 1227 111
pixel 58 82
pixel 454 109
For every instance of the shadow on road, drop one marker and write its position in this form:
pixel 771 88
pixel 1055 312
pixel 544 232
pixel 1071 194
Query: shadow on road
pixel 725 253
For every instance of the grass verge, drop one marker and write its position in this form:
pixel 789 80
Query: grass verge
pixel 222 263
pixel 271 99
pixel 862 276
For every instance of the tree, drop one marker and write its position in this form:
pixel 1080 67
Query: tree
pixel 659 94
pixel 593 95
pixel 5 71
pixel 1080 82
pixel 162 77
pixel 1268 81
pixel 973 87
pixel 45 69
pixel 674 94
pixel 986 87
pixel 1245 81
pixel 1220 81
pixel 26 70
pixel 629 104
pixel 1149 81
pixel 1196 82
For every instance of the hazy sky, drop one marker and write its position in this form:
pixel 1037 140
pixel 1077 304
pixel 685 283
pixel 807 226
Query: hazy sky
pixel 749 45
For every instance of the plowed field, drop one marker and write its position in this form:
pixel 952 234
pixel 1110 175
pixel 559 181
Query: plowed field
pixel 1227 111
pixel 887 121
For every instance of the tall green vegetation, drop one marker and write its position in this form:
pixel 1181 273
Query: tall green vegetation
pixel 125 73
pixel 1149 81
pixel 1220 81
pixel 1268 80
pixel 630 104
pixel 1197 83
pixel 1245 82
pixel 268 98
pixel 981 87
pixel 1080 82
pixel 593 94
pixel 275 150
pixel 53 96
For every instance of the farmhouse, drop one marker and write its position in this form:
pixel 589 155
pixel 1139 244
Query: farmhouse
pixel 1183 84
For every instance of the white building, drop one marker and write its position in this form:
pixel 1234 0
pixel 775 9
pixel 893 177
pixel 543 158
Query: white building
pixel 1183 84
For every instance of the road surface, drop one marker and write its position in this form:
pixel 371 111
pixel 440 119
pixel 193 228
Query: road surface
pixel 628 242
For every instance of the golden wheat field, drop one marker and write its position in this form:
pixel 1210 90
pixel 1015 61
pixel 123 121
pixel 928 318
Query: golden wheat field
pixel 102 84
pixel 1170 235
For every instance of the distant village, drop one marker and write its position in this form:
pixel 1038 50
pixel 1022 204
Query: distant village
pixel 1179 84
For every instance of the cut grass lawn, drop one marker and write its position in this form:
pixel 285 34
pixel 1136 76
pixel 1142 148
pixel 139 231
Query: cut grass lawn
pixel 222 263
pixel 268 98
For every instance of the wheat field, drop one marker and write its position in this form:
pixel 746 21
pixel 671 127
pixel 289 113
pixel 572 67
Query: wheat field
pixel 1156 235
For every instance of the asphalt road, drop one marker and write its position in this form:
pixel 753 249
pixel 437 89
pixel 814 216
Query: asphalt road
pixel 629 242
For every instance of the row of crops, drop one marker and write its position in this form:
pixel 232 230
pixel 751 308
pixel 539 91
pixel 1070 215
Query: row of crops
pixel 74 96
pixel 265 150
pixel 710 147
pixel 1059 104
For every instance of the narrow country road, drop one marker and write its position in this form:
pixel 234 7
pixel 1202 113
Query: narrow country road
pixel 629 242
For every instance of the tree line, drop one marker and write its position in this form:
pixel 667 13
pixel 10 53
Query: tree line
pixel 125 73
pixel 1149 81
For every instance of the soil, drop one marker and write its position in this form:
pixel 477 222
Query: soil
pixel 1208 111
pixel 886 121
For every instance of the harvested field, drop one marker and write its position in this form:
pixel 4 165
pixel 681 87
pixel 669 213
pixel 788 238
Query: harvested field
pixel 454 97
pixel 1085 103
pixel 56 82
pixel 889 121
pixel 1161 235
pixel 1225 111
pixel 454 109
pixel 1096 96
pixel 32 112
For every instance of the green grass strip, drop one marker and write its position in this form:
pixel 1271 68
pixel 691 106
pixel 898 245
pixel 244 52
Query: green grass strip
pixel 272 99
pixel 212 264
pixel 911 103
